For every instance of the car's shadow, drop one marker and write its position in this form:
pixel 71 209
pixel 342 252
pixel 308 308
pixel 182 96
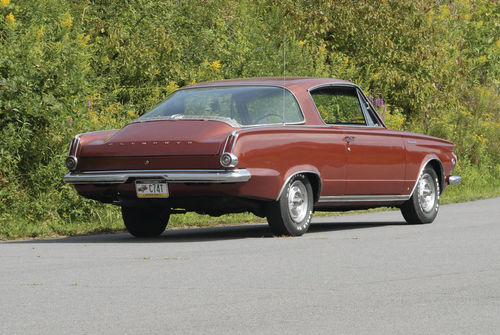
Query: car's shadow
pixel 212 233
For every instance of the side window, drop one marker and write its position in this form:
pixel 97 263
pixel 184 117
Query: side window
pixel 370 112
pixel 339 105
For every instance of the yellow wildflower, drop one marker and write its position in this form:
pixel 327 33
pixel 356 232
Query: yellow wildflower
pixel 467 16
pixel 346 60
pixel 172 86
pixel 4 3
pixel 445 11
pixel 482 59
pixel 11 20
pixel 131 113
pixel 302 42
pixel 193 82
pixel 39 33
pixel 67 20
pixel 215 66
pixel 322 48
pixel 85 39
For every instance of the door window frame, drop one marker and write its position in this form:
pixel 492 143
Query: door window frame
pixel 372 118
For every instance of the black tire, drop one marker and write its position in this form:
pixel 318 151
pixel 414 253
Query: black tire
pixel 423 205
pixel 145 221
pixel 292 219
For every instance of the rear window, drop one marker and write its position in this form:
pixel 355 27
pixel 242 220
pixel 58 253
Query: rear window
pixel 244 105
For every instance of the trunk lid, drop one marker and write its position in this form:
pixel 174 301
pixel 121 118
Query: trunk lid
pixel 162 138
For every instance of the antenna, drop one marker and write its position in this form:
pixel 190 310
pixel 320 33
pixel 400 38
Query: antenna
pixel 284 75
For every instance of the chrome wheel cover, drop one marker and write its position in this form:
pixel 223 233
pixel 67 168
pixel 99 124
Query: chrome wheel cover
pixel 297 201
pixel 426 193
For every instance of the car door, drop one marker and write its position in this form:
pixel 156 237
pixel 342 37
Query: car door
pixel 375 158
pixel 332 155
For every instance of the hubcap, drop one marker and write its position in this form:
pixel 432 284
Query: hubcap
pixel 297 201
pixel 426 193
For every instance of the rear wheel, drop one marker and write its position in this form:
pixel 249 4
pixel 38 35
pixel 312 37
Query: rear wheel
pixel 291 214
pixel 423 205
pixel 145 222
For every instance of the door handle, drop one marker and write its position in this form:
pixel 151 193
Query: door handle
pixel 349 139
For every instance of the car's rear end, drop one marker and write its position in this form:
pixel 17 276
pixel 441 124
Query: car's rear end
pixel 149 159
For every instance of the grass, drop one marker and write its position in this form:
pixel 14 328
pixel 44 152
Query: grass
pixel 475 185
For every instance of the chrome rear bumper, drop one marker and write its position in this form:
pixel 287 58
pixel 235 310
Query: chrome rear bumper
pixel 454 180
pixel 173 176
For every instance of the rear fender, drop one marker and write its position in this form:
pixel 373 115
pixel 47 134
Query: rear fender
pixel 310 172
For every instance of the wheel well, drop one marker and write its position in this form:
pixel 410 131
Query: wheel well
pixel 315 184
pixel 438 167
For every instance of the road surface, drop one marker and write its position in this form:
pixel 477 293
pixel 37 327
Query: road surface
pixel 354 274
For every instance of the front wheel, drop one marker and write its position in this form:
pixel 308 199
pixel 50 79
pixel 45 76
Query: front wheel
pixel 291 214
pixel 145 221
pixel 423 205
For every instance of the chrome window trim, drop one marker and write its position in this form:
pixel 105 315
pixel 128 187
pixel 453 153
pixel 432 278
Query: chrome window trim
pixel 344 85
pixel 173 176
pixel 365 98
pixel 227 121
pixel 366 113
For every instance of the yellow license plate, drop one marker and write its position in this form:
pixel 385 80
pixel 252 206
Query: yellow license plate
pixel 151 188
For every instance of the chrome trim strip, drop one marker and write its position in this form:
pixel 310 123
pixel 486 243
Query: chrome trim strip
pixel 228 121
pixel 74 142
pixel 364 198
pixel 454 180
pixel 225 143
pixel 294 174
pixel 76 139
pixel 173 176
pixel 422 170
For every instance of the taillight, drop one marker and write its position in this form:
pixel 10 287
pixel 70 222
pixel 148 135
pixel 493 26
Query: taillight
pixel 71 161
pixel 228 159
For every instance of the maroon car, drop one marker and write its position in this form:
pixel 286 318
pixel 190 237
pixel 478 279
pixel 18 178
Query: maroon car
pixel 277 148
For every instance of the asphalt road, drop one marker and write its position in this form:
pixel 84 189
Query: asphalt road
pixel 355 274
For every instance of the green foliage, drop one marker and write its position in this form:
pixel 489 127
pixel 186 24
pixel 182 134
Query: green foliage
pixel 69 66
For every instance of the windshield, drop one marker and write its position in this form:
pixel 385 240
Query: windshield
pixel 243 105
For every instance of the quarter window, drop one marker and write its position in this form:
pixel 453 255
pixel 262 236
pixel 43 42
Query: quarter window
pixel 339 105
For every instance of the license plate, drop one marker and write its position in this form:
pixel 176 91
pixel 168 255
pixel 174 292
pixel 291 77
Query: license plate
pixel 151 188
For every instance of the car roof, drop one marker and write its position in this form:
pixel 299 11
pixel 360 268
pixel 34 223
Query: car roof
pixel 288 82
